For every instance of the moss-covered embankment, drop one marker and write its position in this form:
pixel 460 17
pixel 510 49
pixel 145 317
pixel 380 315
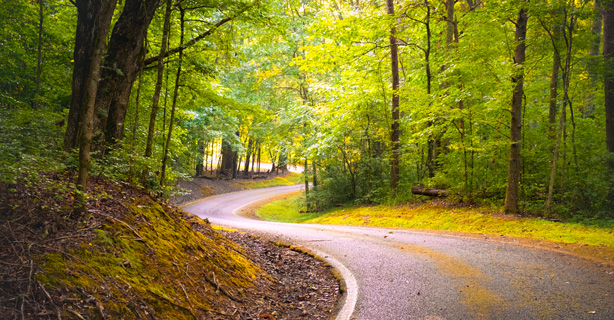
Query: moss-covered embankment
pixel 130 257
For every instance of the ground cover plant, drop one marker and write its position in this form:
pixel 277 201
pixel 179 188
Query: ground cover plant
pixel 445 216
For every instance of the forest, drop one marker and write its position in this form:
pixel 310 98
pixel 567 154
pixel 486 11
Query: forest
pixel 507 104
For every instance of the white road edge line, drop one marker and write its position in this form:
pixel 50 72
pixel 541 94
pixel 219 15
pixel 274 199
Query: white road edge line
pixel 351 286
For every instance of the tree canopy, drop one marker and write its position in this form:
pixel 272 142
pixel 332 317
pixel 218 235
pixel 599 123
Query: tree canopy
pixel 507 103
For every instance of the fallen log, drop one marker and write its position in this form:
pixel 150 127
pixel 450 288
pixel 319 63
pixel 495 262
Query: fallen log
pixel 429 191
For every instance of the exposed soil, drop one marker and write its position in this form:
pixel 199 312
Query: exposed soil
pixel 134 257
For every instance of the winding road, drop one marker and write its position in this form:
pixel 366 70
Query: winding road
pixel 404 274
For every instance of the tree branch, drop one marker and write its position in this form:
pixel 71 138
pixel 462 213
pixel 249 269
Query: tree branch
pixel 190 43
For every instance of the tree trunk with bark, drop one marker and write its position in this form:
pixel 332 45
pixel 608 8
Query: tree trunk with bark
pixel 39 60
pixel 93 23
pixel 431 192
pixel 158 88
pixel 395 132
pixel 250 146
pixel 593 69
pixel 122 59
pixel 122 64
pixel 175 94
pixel 513 175
pixel 228 159
pixel 608 54
pixel 200 168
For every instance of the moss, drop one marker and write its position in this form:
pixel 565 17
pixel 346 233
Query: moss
pixel 151 256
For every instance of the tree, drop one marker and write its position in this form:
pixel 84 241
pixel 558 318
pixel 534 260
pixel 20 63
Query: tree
pixel 122 64
pixel 175 94
pixel 394 132
pixel 608 54
pixel 513 175
pixel 156 96
pixel 94 21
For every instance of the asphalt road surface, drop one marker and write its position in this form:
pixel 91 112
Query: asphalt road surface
pixel 404 274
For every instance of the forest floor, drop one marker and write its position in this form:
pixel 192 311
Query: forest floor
pixel 135 257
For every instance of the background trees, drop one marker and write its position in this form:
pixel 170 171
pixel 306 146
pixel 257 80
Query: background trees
pixel 310 83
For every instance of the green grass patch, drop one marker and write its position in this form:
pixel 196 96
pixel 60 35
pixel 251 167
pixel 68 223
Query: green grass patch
pixel 291 178
pixel 291 209
pixel 436 217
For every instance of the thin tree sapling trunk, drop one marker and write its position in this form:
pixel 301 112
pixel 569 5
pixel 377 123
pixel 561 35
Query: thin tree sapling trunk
pixel 395 132
pixel 513 175
pixel 175 94
pixel 158 88
pixel 39 60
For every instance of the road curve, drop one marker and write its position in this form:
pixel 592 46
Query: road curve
pixel 404 274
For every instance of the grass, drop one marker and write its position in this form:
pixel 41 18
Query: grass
pixel 439 217
pixel 289 210
pixel 291 178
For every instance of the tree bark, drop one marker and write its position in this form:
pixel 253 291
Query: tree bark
pixel 250 146
pixel 158 88
pixel 136 109
pixel 314 172
pixel 608 54
pixel 93 23
pixel 124 57
pixel 513 176
pixel 554 82
pixel 395 132
pixel 593 69
pixel 429 191
pixel 121 68
pixel 199 158
pixel 175 94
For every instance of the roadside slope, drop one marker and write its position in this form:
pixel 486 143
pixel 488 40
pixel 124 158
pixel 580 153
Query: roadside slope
pixel 132 258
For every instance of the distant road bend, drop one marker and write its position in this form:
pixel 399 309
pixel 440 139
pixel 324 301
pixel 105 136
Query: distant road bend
pixel 404 274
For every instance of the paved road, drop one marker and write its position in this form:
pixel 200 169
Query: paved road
pixel 396 275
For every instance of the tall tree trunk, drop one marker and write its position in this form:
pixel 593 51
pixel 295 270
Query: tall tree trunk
pixel 122 65
pixel 121 68
pixel 136 109
pixel 395 132
pixel 305 173
pixel 608 54
pixel 259 149
pixel 200 158
pixel 250 146
pixel 175 94
pixel 228 159
pixel 593 69
pixel 87 35
pixel 93 23
pixel 433 143
pixel 314 172
pixel 158 88
pixel 554 80
pixel 554 83
pixel 513 175
pixel 39 60
pixel 562 122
